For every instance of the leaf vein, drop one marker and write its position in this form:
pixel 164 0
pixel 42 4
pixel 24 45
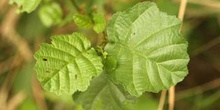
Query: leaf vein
pixel 151 35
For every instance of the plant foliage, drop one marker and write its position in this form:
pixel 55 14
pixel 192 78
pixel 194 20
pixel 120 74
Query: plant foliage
pixel 26 5
pixel 103 94
pixel 82 21
pixel 145 52
pixel 68 64
pixel 50 14
pixel 97 21
pixel 150 52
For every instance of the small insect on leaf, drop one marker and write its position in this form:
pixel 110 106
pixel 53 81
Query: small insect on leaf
pixel 44 59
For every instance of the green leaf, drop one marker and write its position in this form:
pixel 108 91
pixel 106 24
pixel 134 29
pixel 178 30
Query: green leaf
pixel 26 5
pixel 150 52
pixel 50 14
pixel 82 21
pixel 68 64
pixel 99 22
pixel 110 64
pixel 103 94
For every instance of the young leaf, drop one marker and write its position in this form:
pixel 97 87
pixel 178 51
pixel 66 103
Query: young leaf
pixel 82 21
pixel 68 64
pixel 99 22
pixel 26 5
pixel 150 52
pixel 50 14
pixel 103 94
pixel 110 64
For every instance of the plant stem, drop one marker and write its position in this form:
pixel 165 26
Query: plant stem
pixel 76 6
pixel 182 9
pixel 171 98
pixel 162 100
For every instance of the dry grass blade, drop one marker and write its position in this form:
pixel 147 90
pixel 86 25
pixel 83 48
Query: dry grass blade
pixel 16 100
pixel 9 33
pixel 162 100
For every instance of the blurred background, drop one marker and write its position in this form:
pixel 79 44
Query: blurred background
pixel 21 35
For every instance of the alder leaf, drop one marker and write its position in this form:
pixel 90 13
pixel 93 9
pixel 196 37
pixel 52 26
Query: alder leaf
pixel 26 5
pixel 151 54
pixel 68 64
pixel 103 94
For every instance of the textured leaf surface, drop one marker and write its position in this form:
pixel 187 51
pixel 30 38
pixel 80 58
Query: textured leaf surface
pixel 26 5
pixel 150 52
pixel 82 21
pixel 68 64
pixel 102 94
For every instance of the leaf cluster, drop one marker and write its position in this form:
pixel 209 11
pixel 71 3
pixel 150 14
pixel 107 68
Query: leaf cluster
pixel 145 52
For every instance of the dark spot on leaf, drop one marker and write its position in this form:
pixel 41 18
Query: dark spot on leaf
pixel 47 71
pixel 44 59
pixel 134 33
pixel 76 77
